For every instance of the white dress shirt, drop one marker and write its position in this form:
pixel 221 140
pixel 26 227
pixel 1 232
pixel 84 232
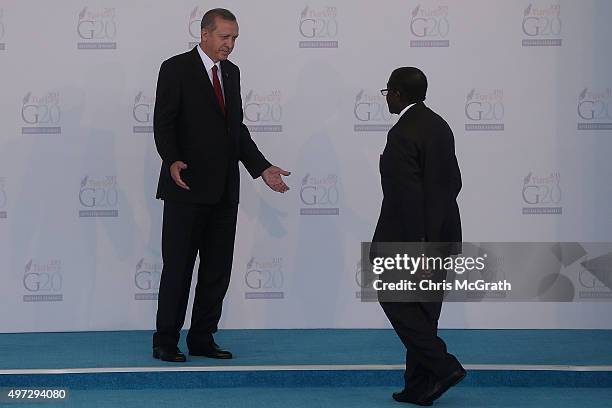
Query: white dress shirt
pixel 403 110
pixel 208 63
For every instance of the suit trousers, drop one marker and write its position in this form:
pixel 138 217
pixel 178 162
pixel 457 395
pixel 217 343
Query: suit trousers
pixel 427 360
pixel 188 230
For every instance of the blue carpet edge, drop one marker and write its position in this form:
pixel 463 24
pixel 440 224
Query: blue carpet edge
pixel 299 378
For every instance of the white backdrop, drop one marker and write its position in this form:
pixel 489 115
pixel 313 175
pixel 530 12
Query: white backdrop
pixel 525 85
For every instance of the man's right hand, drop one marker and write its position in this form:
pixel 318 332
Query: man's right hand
pixel 175 172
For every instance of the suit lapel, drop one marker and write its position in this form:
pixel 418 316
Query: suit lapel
pixel 227 84
pixel 203 80
pixel 232 96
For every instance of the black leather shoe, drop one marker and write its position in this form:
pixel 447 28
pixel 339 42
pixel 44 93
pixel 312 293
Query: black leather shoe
pixel 404 396
pixel 441 386
pixel 211 351
pixel 168 353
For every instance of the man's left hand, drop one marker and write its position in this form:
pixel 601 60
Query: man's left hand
pixel 272 177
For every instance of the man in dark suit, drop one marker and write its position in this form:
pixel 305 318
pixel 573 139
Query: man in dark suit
pixel 200 137
pixel 420 181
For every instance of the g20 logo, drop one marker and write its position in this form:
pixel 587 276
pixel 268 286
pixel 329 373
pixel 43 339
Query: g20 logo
pixel 147 280
pixel 2 30
pixel 3 198
pixel 99 27
pixel 195 20
pixel 264 278
pixel 477 110
pixel 481 106
pixel 369 109
pixel 262 112
pixel 41 111
pixel 587 280
pixel 430 26
pixel 99 194
pixel 319 24
pixel 267 109
pixel 320 193
pixel 42 281
pixel 359 275
pixel 542 25
pixel 49 280
pixel 594 110
pixel 542 194
pixel 142 112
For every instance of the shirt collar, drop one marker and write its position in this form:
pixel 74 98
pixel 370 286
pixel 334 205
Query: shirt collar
pixel 208 63
pixel 405 109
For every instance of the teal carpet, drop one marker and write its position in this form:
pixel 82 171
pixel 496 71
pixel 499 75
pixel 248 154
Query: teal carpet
pixel 298 347
pixel 299 388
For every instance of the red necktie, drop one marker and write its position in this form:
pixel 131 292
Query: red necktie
pixel 217 86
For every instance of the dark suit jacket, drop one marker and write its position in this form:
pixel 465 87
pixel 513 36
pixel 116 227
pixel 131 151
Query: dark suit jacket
pixel 420 181
pixel 190 127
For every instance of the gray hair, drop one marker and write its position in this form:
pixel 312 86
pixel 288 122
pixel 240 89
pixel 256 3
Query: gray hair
pixel 208 20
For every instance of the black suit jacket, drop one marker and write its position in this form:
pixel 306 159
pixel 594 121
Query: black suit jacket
pixel 189 126
pixel 420 181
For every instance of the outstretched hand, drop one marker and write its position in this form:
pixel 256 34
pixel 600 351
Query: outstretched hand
pixel 272 177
